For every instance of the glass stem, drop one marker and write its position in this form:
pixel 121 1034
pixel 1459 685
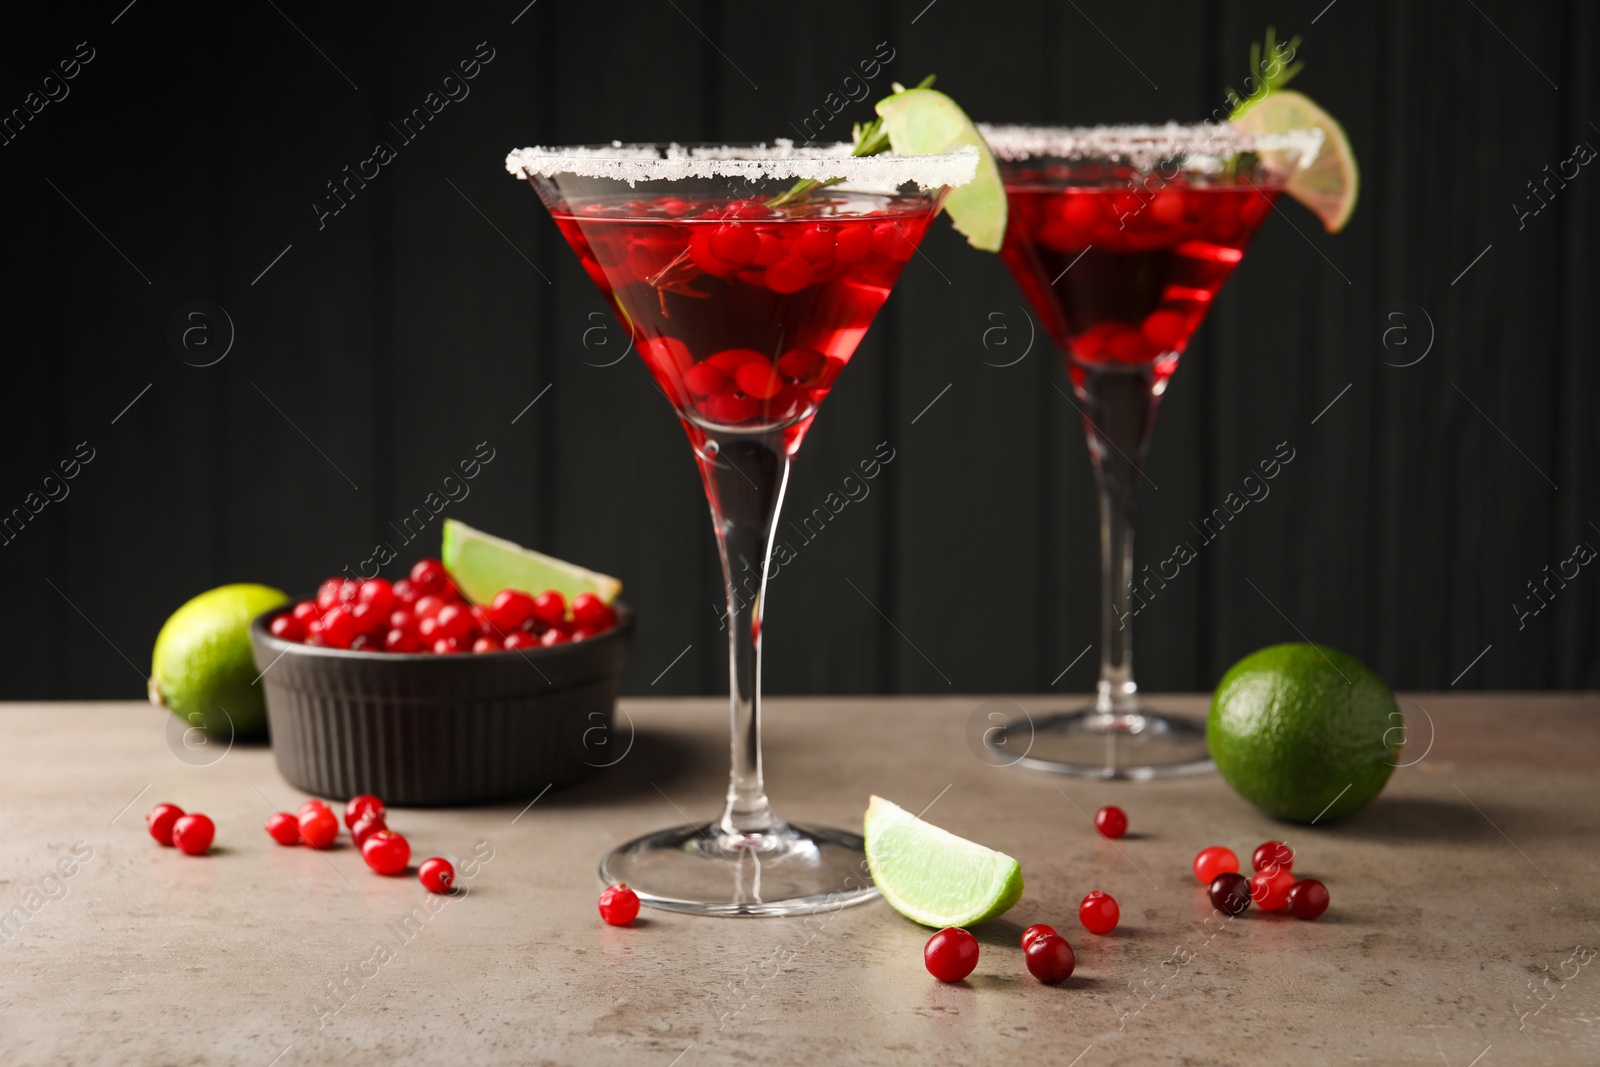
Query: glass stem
pixel 745 479
pixel 1119 413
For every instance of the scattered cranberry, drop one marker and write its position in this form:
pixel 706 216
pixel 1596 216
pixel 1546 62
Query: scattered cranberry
pixel 312 804
pixel 318 826
pixel 1308 899
pixel 1099 912
pixel 193 834
pixel 1037 930
pixel 160 821
pixel 1050 959
pixel 619 905
pixel 1273 854
pixel 386 852
pixel 1210 862
pixel 1111 822
pixel 429 576
pixel 436 875
pixel 365 827
pixel 284 828
pixel 1229 893
pixel 1269 889
pixel 360 806
pixel 952 953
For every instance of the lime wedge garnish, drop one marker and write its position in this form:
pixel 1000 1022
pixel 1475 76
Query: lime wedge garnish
pixel 923 122
pixel 933 877
pixel 1328 186
pixel 483 564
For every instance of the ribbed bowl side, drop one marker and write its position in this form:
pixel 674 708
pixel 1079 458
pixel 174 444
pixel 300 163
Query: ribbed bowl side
pixel 438 730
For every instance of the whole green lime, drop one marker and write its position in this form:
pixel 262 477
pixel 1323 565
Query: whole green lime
pixel 202 668
pixel 1304 732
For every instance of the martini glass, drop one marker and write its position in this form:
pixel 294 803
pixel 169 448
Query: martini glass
pixel 1120 237
pixel 746 295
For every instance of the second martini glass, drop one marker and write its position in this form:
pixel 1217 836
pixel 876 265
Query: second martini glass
pixel 1120 236
pixel 746 295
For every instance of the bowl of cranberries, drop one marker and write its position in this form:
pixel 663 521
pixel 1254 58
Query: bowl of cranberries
pixel 409 691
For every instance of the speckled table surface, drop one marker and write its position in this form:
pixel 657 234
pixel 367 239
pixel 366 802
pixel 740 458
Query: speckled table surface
pixel 1463 930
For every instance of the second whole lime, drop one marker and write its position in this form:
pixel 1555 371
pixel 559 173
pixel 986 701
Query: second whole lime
pixel 1304 732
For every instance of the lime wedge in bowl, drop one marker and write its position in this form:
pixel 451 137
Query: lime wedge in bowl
pixel 482 565
pixel 927 122
pixel 933 877
pixel 1330 184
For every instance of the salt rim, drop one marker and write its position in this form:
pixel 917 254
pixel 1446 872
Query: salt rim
pixel 782 159
pixel 1203 146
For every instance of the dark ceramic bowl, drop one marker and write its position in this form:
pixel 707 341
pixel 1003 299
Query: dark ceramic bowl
pixel 429 730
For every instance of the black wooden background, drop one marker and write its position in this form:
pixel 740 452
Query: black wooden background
pixel 375 348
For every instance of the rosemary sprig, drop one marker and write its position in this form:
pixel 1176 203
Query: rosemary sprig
pixel 1263 54
pixel 870 139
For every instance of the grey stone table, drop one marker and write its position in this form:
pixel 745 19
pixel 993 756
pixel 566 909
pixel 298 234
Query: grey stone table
pixel 1463 928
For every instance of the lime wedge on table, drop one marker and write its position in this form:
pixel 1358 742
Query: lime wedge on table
pixel 482 565
pixel 1329 185
pixel 933 877
pixel 927 122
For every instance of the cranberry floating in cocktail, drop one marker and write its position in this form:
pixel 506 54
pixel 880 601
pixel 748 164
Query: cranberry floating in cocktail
pixel 1120 237
pixel 746 294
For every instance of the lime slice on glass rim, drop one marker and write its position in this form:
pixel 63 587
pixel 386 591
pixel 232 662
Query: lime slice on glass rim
pixel 1330 183
pixel 481 565
pixel 933 877
pixel 923 122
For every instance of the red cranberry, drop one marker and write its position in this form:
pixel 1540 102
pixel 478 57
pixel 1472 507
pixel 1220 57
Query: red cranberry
pixel 1111 822
pixel 406 592
pixel 518 639
pixel 367 619
pixel 1035 931
pixel 360 806
pixel 306 612
pixel 378 593
pixel 817 243
pixel 789 275
pixel 1099 913
pixel 398 640
pixel 284 828
pixel 486 644
pixel 339 628
pixel 446 646
pixel 550 608
pixel 436 875
pixel 759 381
pixel 1272 854
pixel 803 366
pixel 852 242
pixel 556 635
pixel 510 609
pixel 313 805
pixel 318 826
pixel 429 576
pixel 328 593
pixel 729 409
pixel 386 852
pixel 951 954
pixel 729 360
pixel 735 244
pixel 1308 898
pixel 454 623
pixel 591 613
pixel 1229 893
pixel 1269 889
pixel 193 834
pixel 703 379
pixel 1212 861
pixel 1050 959
pixel 619 905
pixel 160 821
pixel 428 606
pixel 365 827
pixel 288 628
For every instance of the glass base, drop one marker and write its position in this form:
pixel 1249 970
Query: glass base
pixel 1091 743
pixel 705 871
